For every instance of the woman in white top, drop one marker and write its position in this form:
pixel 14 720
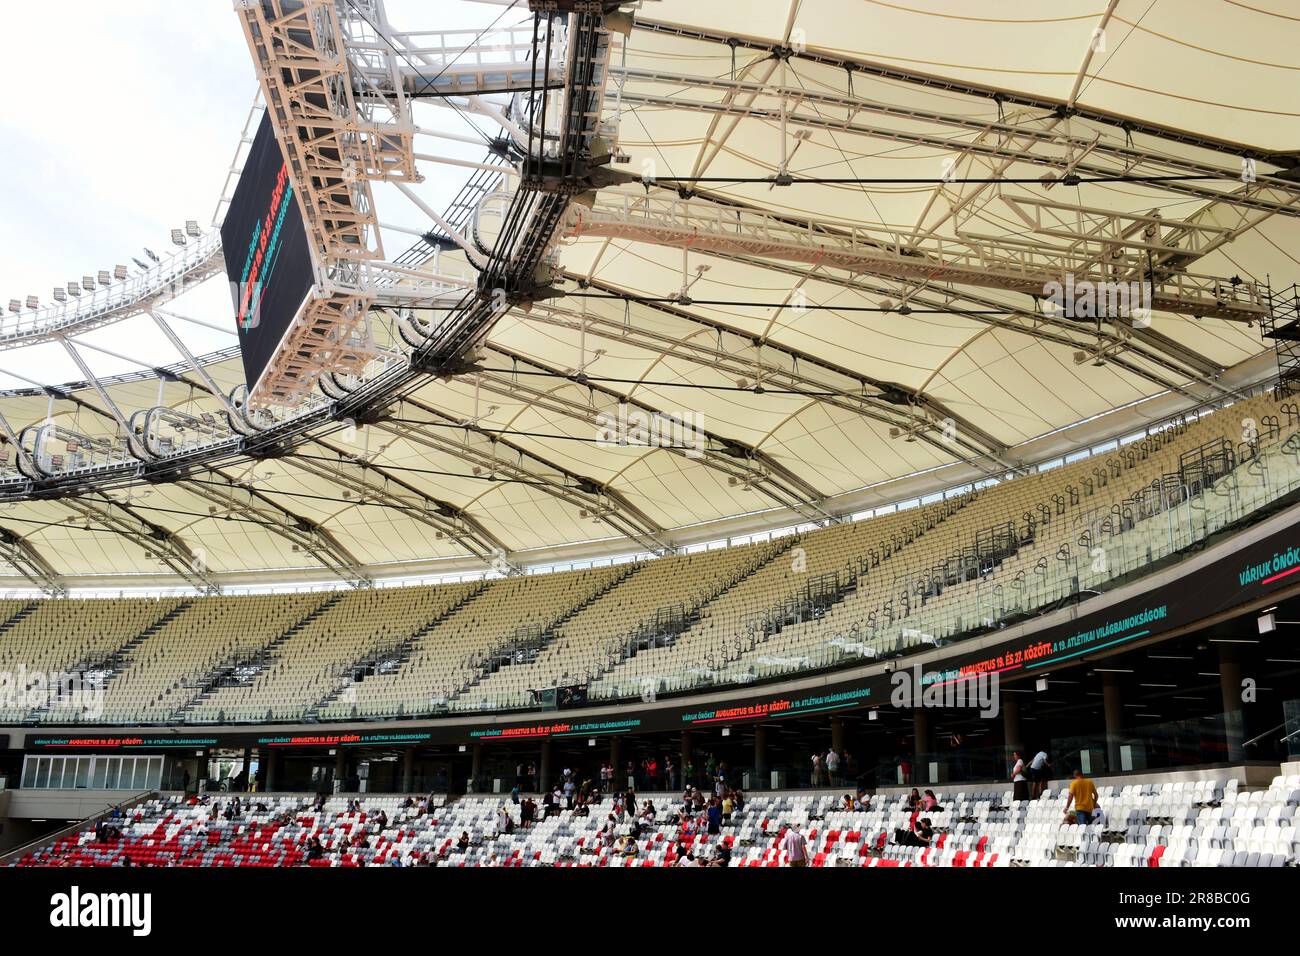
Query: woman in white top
pixel 1019 779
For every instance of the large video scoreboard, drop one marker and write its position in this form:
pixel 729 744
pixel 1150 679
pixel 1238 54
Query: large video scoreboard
pixel 268 261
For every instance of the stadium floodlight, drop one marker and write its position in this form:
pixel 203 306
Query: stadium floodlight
pixel 192 228
pixel 33 302
pixel 142 267
pixel 151 254
pixel 88 283
pixel 119 272
pixel 74 288
pixel 15 305
pixel 178 237
pixel 1267 624
pixel 59 294
pixel 1041 684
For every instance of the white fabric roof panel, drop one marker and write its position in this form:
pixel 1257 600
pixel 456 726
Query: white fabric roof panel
pixel 1215 69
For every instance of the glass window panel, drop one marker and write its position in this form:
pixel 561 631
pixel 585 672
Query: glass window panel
pixel 83 773
pixel 43 773
pixel 101 771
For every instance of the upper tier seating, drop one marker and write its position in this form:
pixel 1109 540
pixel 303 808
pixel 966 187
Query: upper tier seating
pixel 824 597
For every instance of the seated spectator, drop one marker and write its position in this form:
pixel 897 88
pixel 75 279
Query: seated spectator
pixel 924 834
pixel 463 843
pixel 930 801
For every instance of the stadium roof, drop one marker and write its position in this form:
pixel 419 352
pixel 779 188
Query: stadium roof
pixel 858 335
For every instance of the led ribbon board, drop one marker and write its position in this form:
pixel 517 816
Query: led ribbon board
pixel 268 261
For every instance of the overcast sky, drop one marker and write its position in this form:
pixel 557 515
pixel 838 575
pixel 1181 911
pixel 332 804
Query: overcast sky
pixel 118 123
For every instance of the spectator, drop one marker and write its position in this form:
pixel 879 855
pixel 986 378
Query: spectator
pixel 1019 778
pixel 1040 768
pixel 914 799
pixel 816 770
pixel 795 846
pixel 715 816
pixel 463 843
pixel 923 835
pixel 1083 796
pixel 833 767
pixel 930 802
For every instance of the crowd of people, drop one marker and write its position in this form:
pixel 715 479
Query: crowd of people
pixel 832 768
pixel 626 815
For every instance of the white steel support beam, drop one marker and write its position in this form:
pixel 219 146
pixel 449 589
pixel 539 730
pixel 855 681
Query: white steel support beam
pixel 19 554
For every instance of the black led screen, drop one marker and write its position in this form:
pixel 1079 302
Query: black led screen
pixel 268 261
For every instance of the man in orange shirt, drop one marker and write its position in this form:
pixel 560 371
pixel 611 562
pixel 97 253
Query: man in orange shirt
pixel 1083 795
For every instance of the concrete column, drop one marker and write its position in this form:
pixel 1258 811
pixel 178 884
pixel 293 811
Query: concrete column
pixel 837 735
pixel 408 770
pixel 685 757
pixel 1234 716
pixel 340 770
pixel 544 768
pixel 761 779
pixel 476 766
pixel 248 768
pixel 1013 737
pixel 272 769
pixel 924 746
pixel 201 771
pixel 1113 702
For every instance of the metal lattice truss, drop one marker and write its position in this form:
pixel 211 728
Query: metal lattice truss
pixel 708 273
pixel 1010 265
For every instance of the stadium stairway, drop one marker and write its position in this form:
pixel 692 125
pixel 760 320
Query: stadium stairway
pixel 396 656
pixel 551 632
pixel 264 656
pixel 111 665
